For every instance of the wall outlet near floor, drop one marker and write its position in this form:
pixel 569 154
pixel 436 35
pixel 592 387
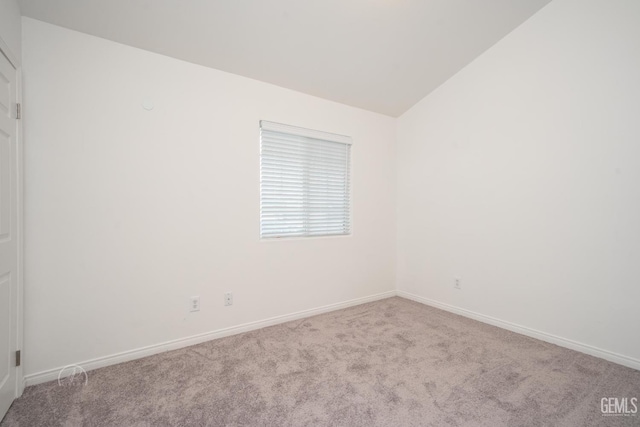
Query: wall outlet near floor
pixel 194 303
pixel 456 283
pixel 228 298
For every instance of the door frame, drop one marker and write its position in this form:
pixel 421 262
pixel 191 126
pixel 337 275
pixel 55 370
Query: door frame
pixel 15 62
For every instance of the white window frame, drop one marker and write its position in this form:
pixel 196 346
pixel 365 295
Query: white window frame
pixel 305 182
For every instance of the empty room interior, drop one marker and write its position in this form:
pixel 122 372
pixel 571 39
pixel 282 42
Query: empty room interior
pixel 319 213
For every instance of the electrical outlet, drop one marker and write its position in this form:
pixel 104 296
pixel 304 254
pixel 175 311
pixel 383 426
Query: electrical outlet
pixel 228 298
pixel 456 284
pixel 194 303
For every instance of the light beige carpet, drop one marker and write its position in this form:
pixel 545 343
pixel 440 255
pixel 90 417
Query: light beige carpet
pixel 387 363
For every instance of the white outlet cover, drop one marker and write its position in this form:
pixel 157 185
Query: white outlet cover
pixel 194 304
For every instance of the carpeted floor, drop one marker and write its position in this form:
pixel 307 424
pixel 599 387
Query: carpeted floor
pixel 388 363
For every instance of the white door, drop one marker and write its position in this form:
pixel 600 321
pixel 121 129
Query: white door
pixel 8 235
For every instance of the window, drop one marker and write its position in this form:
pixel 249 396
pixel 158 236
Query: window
pixel 304 182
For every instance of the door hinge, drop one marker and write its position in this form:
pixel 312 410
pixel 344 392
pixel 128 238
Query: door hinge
pixel 18 357
pixel 18 111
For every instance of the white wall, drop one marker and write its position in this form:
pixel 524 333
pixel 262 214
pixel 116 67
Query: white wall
pixel 10 28
pixel 130 212
pixel 521 176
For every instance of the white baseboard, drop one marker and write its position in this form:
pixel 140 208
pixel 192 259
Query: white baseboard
pixel 101 362
pixel 553 339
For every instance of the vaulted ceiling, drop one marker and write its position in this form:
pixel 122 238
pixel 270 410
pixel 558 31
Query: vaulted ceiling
pixel 380 55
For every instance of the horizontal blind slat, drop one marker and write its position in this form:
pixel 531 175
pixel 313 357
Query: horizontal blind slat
pixel 269 140
pixel 311 150
pixel 306 166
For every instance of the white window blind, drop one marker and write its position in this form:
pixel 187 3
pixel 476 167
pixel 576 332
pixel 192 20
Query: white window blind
pixel 304 182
